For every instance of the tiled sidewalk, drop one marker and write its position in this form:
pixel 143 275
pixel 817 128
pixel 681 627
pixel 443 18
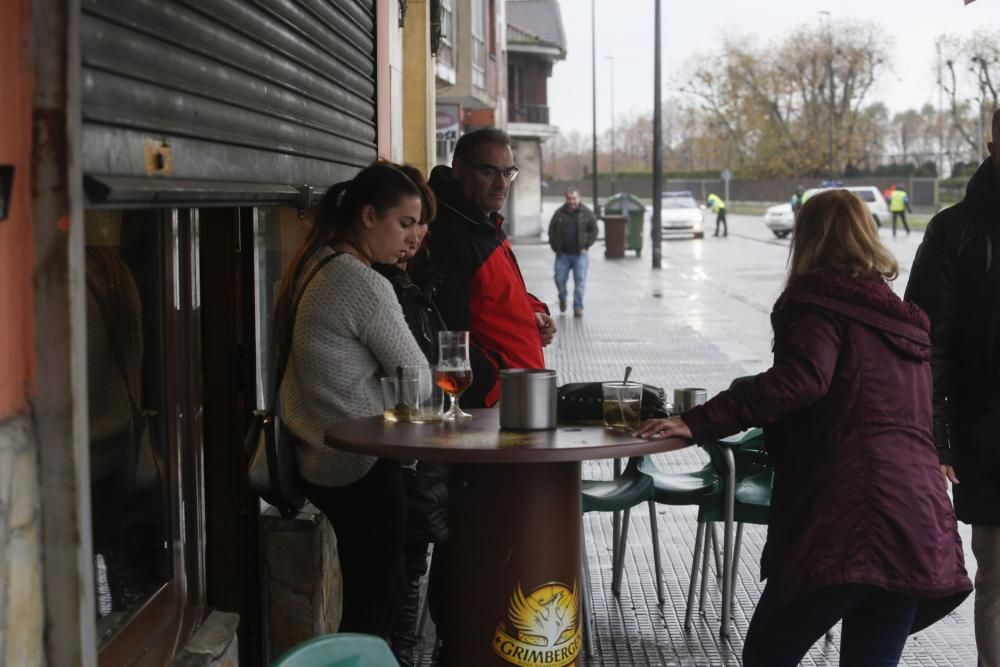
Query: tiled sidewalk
pixel 697 322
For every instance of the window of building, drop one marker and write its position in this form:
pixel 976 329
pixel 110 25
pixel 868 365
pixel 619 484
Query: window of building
pixel 144 395
pixel 479 44
pixel 445 63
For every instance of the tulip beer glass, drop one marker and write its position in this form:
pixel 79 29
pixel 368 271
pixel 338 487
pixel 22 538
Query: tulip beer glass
pixel 454 372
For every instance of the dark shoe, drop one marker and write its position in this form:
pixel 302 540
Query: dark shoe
pixel 440 656
pixel 578 312
pixel 562 305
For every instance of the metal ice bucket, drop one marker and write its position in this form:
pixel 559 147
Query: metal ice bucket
pixel 527 398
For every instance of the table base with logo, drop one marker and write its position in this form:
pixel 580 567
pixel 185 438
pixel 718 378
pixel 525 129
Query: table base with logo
pixel 514 581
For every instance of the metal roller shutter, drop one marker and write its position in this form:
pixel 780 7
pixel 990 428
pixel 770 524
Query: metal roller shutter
pixel 221 101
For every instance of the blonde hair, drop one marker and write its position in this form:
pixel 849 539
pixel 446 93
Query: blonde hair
pixel 835 232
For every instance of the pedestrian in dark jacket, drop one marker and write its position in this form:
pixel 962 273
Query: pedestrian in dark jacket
pixel 956 279
pixel 426 483
pixel 572 231
pixel 476 280
pixel 860 528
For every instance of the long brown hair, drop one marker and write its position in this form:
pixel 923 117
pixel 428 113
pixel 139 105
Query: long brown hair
pixel 380 185
pixel 835 232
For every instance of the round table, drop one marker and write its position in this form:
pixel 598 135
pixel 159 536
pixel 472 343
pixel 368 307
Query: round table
pixel 514 527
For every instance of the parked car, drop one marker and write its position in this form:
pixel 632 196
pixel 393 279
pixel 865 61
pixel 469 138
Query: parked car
pixel 780 220
pixel 680 212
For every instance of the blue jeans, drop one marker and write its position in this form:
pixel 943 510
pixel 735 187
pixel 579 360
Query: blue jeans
pixel 875 626
pixel 578 264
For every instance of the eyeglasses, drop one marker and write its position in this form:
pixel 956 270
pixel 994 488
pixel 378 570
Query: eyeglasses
pixel 491 172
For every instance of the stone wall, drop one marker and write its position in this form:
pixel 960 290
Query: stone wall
pixel 302 579
pixel 21 604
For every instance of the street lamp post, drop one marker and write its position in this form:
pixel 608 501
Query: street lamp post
pixel 611 60
pixel 657 231
pixel 593 89
pixel 829 71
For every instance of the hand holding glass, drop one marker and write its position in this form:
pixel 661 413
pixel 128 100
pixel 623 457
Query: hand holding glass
pixel 454 372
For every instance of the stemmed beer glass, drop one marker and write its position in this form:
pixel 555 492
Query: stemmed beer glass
pixel 454 372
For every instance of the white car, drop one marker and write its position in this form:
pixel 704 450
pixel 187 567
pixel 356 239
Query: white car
pixel 679 212
pixel 780 220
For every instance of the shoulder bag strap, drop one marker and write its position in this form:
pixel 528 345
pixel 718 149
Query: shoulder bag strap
pixel 283 361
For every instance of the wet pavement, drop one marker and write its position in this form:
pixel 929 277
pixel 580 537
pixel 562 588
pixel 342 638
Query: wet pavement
pixel 701 320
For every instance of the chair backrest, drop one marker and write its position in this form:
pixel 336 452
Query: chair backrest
pixel 753 479
pixel 339 650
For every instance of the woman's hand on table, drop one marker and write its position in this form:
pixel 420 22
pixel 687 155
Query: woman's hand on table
pixel 672 427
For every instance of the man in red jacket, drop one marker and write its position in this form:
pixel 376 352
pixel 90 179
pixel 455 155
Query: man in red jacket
pixel 476 280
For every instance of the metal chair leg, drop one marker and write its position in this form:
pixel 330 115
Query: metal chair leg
pixel 727 541
pixel 736 565
pixel 585 603
pixel 654 532
pixel 698 539
pixel 704 577
pixel 616 517
pixel 715 551
pixel 619 564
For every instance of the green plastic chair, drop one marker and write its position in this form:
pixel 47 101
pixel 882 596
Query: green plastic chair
pixel 747 498
pixel 621 494
pixel 339 650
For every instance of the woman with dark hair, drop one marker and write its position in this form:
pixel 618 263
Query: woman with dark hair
pixel 860 528
pixel 349 330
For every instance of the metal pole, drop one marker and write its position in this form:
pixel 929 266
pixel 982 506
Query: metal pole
pixel 829 71
pixel 940 115
pixel 611 60
pixel 593 88
pixel 657 230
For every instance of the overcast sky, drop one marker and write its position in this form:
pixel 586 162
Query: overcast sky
pixel 625 32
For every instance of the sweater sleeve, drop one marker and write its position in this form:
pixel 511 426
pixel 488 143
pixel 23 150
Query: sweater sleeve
pixel 806 351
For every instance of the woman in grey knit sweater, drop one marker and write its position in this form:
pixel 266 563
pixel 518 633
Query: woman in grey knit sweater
pixel 349 330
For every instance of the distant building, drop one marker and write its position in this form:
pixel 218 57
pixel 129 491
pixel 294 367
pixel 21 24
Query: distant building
pixel 535 41
pixel 470 68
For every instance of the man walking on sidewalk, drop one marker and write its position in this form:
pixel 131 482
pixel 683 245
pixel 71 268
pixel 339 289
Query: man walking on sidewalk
pixel 718 207
pixel 956 279
pixel 572 231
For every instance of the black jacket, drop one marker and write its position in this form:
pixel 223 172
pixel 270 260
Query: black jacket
pixel 946 280
pixel 421 314
pixel 586 229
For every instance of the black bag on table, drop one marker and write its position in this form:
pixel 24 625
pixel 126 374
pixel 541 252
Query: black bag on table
pixel 583 401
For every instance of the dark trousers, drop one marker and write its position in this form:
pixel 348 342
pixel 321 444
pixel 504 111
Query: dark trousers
pixel 902 218
pixel 404 635
pixel 369 518
pixel 876 624
pixel 720 219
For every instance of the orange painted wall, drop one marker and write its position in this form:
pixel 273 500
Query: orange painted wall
pixel 17 252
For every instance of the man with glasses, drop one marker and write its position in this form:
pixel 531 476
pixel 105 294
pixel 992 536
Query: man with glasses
pixel 476 280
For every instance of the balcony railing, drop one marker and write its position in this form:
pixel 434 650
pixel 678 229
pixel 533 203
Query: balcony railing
pixel 529 113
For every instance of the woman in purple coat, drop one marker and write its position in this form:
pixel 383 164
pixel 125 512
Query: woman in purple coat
pixel 860 527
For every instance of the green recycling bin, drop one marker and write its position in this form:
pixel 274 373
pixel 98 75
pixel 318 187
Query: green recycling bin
pixel 632 208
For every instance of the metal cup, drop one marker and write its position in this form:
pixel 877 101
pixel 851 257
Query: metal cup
pixel 686 398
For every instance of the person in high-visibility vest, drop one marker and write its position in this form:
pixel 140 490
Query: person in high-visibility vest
pixel 718 207
pixel 899 204
pixel 797 200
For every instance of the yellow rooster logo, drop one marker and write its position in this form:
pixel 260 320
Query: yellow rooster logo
pixel 544 627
